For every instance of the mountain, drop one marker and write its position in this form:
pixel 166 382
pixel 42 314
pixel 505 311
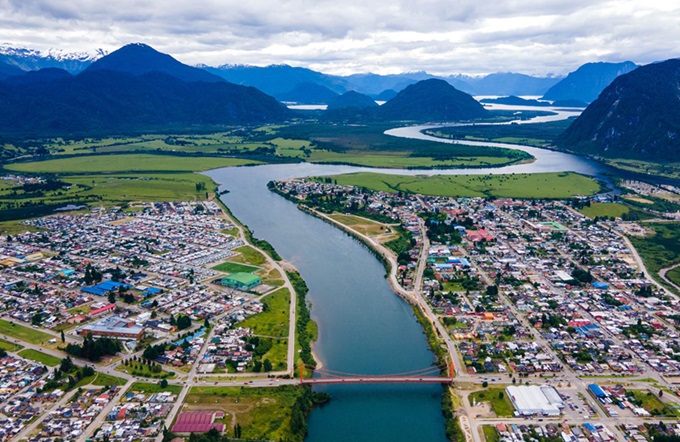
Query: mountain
pixel 385 95
pixel 352 99
pixel 637 116
pixel 7 71
pixel 515 101
pixel 370 84
pixel 276 80
pixel 33 60
pixel 130 95
pixel 139 59
pixel 586 82
pixel 42 76
pixel 509 83
pixel 308 93
pixel 431 100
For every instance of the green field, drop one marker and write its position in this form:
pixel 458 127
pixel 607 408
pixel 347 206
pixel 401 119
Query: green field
pixel 127 163
pixel 37 356
pixel 540 185
pixel 406 162
pixel 661 249
pixel 614 210
pixel 535 134
pixel 23 333
pixel 274 320
pixel 232 267
pixel 650 402
pixel 670 170
pixel 104 380
pixel 142 370
pixel 501 406
pixel 490 433
pixel 10 346
pixel 149 387
pixel 248 255
pixel 674 275
pixel 262 413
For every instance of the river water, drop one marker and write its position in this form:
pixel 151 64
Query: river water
pixel 364 327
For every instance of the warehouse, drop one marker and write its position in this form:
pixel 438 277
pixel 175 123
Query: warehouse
pixel 241 281
pixel 534 400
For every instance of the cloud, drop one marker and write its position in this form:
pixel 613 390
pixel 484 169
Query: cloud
pixel 387 36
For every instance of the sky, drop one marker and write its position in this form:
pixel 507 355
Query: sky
pixel 537 37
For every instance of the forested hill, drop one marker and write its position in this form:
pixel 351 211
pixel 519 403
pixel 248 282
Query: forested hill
pixel 637 116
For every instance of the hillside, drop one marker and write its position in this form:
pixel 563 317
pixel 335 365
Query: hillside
pixel 7 71
pixel 128 93
pixel 275 80
pixel 588 81
pixel 351 99
pixel 308 93
pixel 431 100
pixel 509 83
pixel 140 59
pixel 637 116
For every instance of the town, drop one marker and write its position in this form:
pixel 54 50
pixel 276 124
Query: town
pixel 554 330
pixel 530 294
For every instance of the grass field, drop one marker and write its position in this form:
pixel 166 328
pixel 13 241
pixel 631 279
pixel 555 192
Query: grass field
pixel 104 379
pixel 615 210
pixel 37 356
pixel 362 225
pixel 262 413
pixel 528 134
pixel 248 255
pixel 540 185
pixel 148 387
pixel 661 249
pixel 274 320
pixel 652 403
pixel 232 267
pixel 23 333
pixel 394 161
pixel 490 433
pixel 10 346
pixel 670 170
pixel 501 406
pixel 127 163
pixel 142 370
pixel 674 275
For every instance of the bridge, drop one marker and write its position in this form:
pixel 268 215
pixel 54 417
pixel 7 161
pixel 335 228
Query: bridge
pixel 429 375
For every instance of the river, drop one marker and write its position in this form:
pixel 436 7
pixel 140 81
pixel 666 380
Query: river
pixel 363 326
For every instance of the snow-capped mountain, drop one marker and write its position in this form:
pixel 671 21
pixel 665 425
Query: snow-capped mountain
pixel 32 59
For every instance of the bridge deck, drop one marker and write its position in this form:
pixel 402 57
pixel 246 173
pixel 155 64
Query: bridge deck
pixel 378 380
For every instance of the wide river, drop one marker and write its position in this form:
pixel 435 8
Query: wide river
pixel 363 326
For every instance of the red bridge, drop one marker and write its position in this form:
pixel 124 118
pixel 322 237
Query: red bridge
pixel 430 375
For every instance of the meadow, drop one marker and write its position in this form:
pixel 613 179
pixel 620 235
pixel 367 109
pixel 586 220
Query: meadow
pixel 543 185
pixel 538 134
pixel 23 333
pixel 661 249
pixel 262 413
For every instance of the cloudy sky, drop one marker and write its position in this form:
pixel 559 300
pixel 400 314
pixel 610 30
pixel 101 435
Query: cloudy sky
pixel 350 36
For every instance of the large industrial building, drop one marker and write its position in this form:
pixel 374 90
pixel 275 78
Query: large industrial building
pixel 535 400
pixel 113 327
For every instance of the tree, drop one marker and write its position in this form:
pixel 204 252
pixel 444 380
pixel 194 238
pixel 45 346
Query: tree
pixel 183 322
pixel 163 383
pixel 112 298
pixel 267 365
pixel 485 384
pixel 63 338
